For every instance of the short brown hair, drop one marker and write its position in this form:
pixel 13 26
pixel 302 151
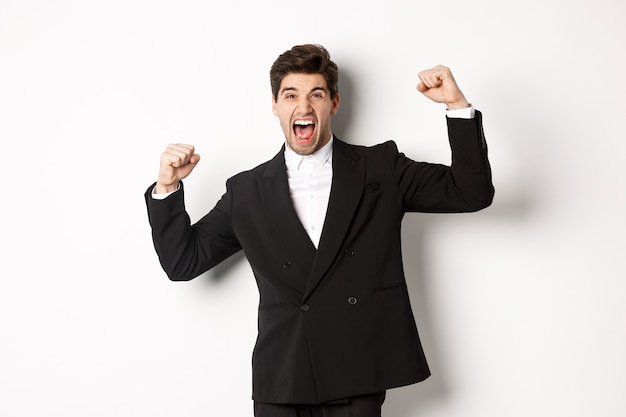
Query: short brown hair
pixel 305 59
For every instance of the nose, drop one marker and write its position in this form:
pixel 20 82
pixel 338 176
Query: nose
pixel 304 106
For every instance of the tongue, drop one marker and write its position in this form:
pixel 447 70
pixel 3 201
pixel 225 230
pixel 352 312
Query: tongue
pixel 304 132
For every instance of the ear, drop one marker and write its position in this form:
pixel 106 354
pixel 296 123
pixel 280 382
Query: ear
pixel 274 110
pixel 335 105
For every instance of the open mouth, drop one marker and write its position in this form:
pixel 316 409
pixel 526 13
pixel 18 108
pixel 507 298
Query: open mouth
pixel 304 129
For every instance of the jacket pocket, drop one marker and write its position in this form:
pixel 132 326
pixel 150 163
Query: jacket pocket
pixel 272 306
pixel 371 187
pixel 388 287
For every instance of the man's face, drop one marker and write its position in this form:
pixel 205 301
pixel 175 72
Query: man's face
pixel 304 108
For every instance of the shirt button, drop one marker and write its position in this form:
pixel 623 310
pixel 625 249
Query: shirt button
pixel 287 265
pixel 304 307
pixel 352 300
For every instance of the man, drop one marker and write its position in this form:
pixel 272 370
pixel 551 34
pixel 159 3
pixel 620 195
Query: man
pixel 320 226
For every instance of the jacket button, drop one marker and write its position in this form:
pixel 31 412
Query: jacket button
pixel 304 307
pixel 349 252
pixel 352 300
pixel 287 265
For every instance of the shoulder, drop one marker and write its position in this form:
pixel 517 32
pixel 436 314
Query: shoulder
pixel 383 149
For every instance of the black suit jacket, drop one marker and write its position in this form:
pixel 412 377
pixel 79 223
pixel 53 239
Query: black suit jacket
pixel 333 322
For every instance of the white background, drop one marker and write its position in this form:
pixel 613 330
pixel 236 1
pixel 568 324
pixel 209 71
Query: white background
pixel 521 307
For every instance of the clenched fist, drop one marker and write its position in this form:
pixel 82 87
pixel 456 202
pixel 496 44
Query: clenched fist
pixel 177 162
pixel 439 85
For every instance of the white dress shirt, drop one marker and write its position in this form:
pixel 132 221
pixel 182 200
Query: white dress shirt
pixel 310 177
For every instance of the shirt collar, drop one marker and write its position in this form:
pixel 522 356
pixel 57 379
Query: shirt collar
pixel 322 155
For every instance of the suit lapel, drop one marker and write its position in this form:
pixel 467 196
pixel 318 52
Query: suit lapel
pixel 277 205
pixel 345 194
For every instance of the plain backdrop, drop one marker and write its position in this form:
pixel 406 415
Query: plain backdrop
pixel 521 307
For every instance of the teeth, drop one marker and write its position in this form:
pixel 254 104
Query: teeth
pixel 303 122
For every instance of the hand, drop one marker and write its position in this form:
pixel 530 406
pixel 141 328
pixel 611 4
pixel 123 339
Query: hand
pixel 177 162
pixel 439 85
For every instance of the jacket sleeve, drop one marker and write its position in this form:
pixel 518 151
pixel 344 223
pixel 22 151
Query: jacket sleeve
pixel 184 250
pixel 464 186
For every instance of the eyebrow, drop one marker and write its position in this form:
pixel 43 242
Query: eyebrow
pixel 318 88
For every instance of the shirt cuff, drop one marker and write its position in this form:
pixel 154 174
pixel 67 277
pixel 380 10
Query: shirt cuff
pixel 164 195
pixel 466 113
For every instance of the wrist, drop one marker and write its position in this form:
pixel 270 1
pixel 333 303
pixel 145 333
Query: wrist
pixel 458 104
pixel 161 188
